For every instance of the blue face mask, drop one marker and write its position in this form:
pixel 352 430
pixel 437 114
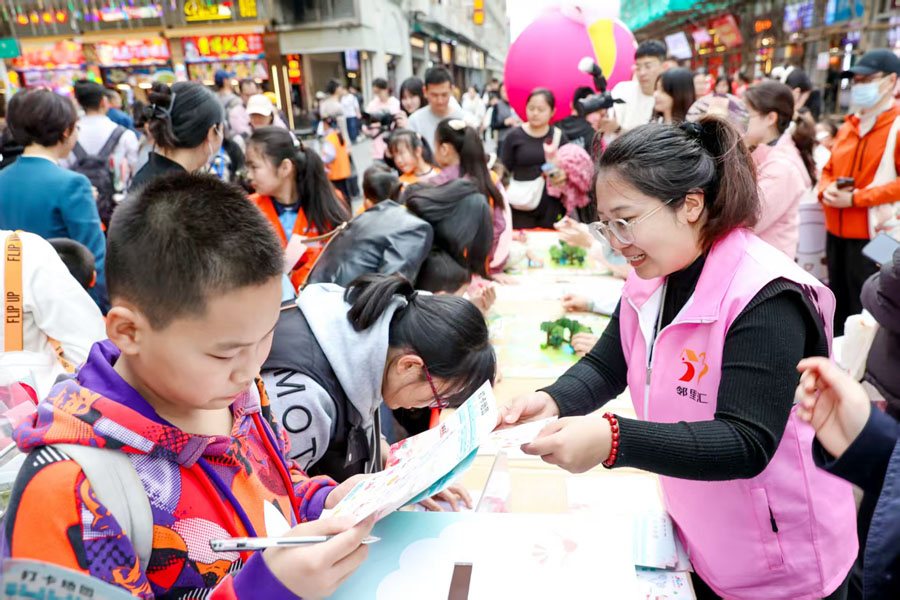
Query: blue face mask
pixel 866 95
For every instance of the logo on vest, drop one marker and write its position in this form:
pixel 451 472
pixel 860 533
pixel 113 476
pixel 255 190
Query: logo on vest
pixel 695 368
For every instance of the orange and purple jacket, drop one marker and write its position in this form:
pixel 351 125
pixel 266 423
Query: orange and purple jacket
pixel 200 488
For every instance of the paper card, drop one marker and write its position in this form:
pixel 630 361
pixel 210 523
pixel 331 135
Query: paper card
pixel 34 579
pixel 516 436
pixel 654 584
pixel 294 252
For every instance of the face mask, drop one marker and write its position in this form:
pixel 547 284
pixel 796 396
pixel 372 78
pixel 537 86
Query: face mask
pixel 865 95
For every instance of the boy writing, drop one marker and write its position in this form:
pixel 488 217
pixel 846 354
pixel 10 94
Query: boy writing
pixel 194 275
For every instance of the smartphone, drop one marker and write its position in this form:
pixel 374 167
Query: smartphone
pixel 846 183
pixel 881 249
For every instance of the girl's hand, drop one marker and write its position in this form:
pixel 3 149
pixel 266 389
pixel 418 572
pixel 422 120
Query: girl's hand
pixel 573 303
pixel 574 233
pixel 832 402
pixel 584 342
pixel 338 493
pixel 577 444
pixel 528 407
pixel 316 571
pixel 453 495
pixel 484 298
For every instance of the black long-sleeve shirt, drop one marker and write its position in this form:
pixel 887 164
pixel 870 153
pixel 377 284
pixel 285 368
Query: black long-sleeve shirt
pixel 756 390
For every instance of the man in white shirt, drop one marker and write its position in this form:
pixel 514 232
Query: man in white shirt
pixel 95 128
pixel 350 106
pixel 637 93
pixel 441 105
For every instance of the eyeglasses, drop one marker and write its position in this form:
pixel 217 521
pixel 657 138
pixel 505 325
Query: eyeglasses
pixel 621 228
pixel 438 402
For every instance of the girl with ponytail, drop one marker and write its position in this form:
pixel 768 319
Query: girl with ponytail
pixel 459 153
pixel 783 154
pixel 707 337
pixel 338 354
pixel 293 192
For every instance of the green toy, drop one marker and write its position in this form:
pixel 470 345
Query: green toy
pixel 556 331
pixel 567 255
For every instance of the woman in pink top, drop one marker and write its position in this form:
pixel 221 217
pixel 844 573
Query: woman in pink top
pixel 784 162
pixel 383 103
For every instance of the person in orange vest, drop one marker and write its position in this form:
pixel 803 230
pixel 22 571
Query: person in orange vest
pixel 293 192
pixel 336 156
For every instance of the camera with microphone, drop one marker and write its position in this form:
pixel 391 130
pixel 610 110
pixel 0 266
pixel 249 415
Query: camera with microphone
pixel 602 99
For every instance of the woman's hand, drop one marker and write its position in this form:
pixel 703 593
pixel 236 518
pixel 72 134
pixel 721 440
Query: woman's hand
pixel 528 407
pixel 832 402
pixel 316 571
pixel 577 444
pixel 574 233
pixel 338 493
pixel 584 342
pixel 573 303
pixel 452 495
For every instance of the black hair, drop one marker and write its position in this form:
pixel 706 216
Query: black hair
pixel 139 114
pixel 437 76
pixel 78 260
pixel 448 333
pixel 182 238
pixel 546 94
pixel 461 218
pixel 724 78
pixel 380 83
pixel 472 163
pixel 667 161
pixel 832 124
pixel 332 86
pixel 182 115
pixel 380 184
pixel 247 81
pixel 441 273
pixel 39 116
pixel 745 77
pixel 581 93
pixel 89 94
pixel 679 84
pixel 111 93
pixel 773 96
pixel 798 78
pixel 414 87
pixel 413 141
pixel 653 48
pixel 315 193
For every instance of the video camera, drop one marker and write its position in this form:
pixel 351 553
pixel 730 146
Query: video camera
pixel 383 118
pixel 602 99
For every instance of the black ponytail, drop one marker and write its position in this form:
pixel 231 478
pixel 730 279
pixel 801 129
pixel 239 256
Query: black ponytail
pixel 413 141
pixel 380 183
pixel 315 193
pixel 472 163
pixel 805 139
pixel 181 116
pixel 447 332
pixel 666 161
pixel 461 219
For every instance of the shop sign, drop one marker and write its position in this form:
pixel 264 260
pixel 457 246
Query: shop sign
pixel 62 54
pixel 132 52
pixel 727 29
pixel 462 55
pixel 843 10
pixel 207 48
pixel 113 14
pixel 9 48
pixel 199 10
pixel 678 46
pixel 295 73
pixel 701 36
pixel 247 8
pixel 762 25
pixel 799 16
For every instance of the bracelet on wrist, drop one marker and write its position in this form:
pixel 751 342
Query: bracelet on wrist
pixel 614 446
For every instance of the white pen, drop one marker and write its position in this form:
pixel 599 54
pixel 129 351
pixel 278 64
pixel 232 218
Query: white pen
pixel 261 543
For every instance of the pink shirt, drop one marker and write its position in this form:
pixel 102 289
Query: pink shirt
pixel 374 107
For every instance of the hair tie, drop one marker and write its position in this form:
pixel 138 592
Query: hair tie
pixel 157 111
pixel 457 124
pixel 692 129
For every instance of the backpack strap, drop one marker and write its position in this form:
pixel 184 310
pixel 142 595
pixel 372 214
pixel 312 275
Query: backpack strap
pixel 12 284
pixel 79 152
pixel 118 487
pixel 110 145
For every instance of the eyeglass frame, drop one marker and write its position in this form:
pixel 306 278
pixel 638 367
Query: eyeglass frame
pixel 597 227
pixel 438 402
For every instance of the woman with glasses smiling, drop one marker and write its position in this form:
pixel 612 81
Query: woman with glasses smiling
pixel 706 338
pixel 338 354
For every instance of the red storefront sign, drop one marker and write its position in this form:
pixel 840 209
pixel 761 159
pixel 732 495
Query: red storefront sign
pixel 223 47
pixel 728 31
pixel 62 54
pixel 132 52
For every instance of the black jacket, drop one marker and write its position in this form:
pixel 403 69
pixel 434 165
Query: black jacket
pixel 386 239
pixel 881 297
pixel 157 165
pixel 578 130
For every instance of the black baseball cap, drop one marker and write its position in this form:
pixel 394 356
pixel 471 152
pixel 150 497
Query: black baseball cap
pixel 876 61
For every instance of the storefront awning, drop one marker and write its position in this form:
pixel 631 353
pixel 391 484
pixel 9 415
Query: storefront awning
pixel 640 13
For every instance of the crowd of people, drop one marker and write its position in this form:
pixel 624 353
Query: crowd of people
pixel 251 322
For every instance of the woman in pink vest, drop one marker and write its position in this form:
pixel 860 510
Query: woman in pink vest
pixel 706 338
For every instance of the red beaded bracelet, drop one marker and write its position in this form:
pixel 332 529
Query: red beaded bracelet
pixel 614 447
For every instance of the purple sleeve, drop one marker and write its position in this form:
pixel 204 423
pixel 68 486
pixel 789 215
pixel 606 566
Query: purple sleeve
pixel 255 580
pixel 312 509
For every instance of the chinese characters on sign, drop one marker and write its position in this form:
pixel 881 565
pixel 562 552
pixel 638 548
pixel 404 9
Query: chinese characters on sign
pixel 132 52
pixel 219 47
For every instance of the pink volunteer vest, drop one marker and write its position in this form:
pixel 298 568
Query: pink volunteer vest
pixel 726 526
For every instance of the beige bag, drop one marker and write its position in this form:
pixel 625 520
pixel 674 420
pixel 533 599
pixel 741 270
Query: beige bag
pixel 526 195
pixel 884 217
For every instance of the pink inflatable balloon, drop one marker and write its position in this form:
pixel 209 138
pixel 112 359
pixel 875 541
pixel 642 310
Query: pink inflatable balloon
pixel 547 52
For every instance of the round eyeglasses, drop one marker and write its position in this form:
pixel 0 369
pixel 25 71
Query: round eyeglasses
pixel 622 229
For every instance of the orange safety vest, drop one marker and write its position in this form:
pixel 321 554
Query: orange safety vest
pixel 340 167
pixel 302 227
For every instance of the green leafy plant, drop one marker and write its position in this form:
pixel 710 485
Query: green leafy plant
pixel 560 331
pixel 564 254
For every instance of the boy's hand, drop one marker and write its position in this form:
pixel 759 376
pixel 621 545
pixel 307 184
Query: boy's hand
pixel 584 342
pixel 315 571
pixel 453 495
pixel 338 493
pixel 834 404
